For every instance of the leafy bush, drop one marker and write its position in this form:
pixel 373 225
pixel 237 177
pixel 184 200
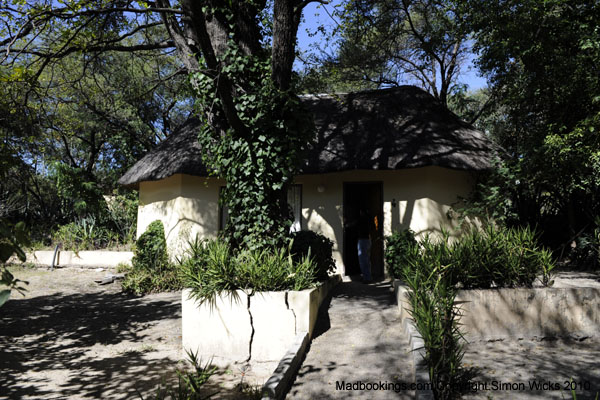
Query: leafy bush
pixel 122 216
pixel 433 310
pixel 115 227
pixel 319 248
pixel 212 267
pixel 397 248
pixel 12 238
pixel 83 234
pixel 500 257
pixel 585 249
pixel 151 270
pixel 480 258
pixel 151 248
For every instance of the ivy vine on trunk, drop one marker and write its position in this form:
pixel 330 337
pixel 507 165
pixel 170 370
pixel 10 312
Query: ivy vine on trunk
pixel 255 129
pixel 259 161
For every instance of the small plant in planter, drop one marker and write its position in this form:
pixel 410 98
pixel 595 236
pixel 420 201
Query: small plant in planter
pixel 212 267
pixel 317 247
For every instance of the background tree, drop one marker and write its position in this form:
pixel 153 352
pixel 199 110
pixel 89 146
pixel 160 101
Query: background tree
pixel 386 43
pixel 69 135
pixel 254 128
pixel 542 60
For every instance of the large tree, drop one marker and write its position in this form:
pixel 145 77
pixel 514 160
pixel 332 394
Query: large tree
pixel 254 128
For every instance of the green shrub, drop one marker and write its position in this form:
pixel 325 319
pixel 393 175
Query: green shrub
pixel 83 234
pixel 212 267
pixel 150 269
pixel 397 248
pixel 585 249
pixel 480 258
pixel 499 257
pixel 122 216
pixel 320 249
pixel 151 248
pixel 431 297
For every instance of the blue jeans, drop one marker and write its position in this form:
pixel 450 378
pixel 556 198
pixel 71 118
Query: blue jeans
pixel 364 258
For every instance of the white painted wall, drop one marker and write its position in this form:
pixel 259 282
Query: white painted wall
pixel 188 205
pixel 422 196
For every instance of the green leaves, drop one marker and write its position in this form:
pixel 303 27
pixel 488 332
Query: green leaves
pixel 11 240
pixel 398 250
pixel 542 60
pixel 258 159
pixel 4 296
pixel 212 267
pixel 151 270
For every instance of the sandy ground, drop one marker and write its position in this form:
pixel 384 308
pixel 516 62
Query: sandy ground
pixel 538 368
pixel 534 369
pixel 70 337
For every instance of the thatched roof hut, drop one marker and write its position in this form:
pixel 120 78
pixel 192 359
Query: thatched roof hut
pixel 389 129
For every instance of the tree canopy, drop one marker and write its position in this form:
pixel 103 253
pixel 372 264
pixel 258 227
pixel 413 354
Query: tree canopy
pixel 238 56
pixel 542 60
pixel 382 43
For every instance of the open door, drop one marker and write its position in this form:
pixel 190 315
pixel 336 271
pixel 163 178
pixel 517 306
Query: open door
pixel 367 196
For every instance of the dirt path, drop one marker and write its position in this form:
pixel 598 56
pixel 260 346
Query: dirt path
pixel 358 341
pixel 72 338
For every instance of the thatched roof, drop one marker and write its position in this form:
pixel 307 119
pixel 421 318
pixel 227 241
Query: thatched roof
pixel 389 129
pixel 180 153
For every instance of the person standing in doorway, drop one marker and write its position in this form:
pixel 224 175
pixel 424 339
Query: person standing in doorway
pixel 364 244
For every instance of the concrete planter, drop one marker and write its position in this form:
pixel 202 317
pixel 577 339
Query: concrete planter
pixel 522 312
pixel 94 258
pixel 261 327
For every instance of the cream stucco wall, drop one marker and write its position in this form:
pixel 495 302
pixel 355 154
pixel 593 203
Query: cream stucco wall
pixel 422 196
pixel 188 205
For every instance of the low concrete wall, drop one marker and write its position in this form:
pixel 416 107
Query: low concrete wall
pixel 239 328
pixel 523 313
pixel 95 258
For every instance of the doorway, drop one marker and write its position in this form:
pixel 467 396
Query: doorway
pixel 367 196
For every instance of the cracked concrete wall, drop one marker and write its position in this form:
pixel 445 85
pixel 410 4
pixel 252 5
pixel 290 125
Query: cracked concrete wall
pixel 221 332
pixel 258 328
pixel 274 325
pixel 544 312
pixel 522 313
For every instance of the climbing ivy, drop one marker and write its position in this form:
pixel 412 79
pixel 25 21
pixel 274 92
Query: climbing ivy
pixel 258 161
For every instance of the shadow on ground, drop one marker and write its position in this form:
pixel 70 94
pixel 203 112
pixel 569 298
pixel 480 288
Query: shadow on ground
pixel 357 338
pixel 50 345
pixel 516 364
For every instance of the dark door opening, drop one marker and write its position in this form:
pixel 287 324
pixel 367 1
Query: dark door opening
pixel 367 196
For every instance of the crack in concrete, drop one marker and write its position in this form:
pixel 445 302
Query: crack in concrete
pixel 287 304
pixel 252 333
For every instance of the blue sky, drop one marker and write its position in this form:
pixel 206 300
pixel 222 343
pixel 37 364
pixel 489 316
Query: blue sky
pixel 316 15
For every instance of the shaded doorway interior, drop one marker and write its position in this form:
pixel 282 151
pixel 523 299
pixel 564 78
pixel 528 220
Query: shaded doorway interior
pixel 368 196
